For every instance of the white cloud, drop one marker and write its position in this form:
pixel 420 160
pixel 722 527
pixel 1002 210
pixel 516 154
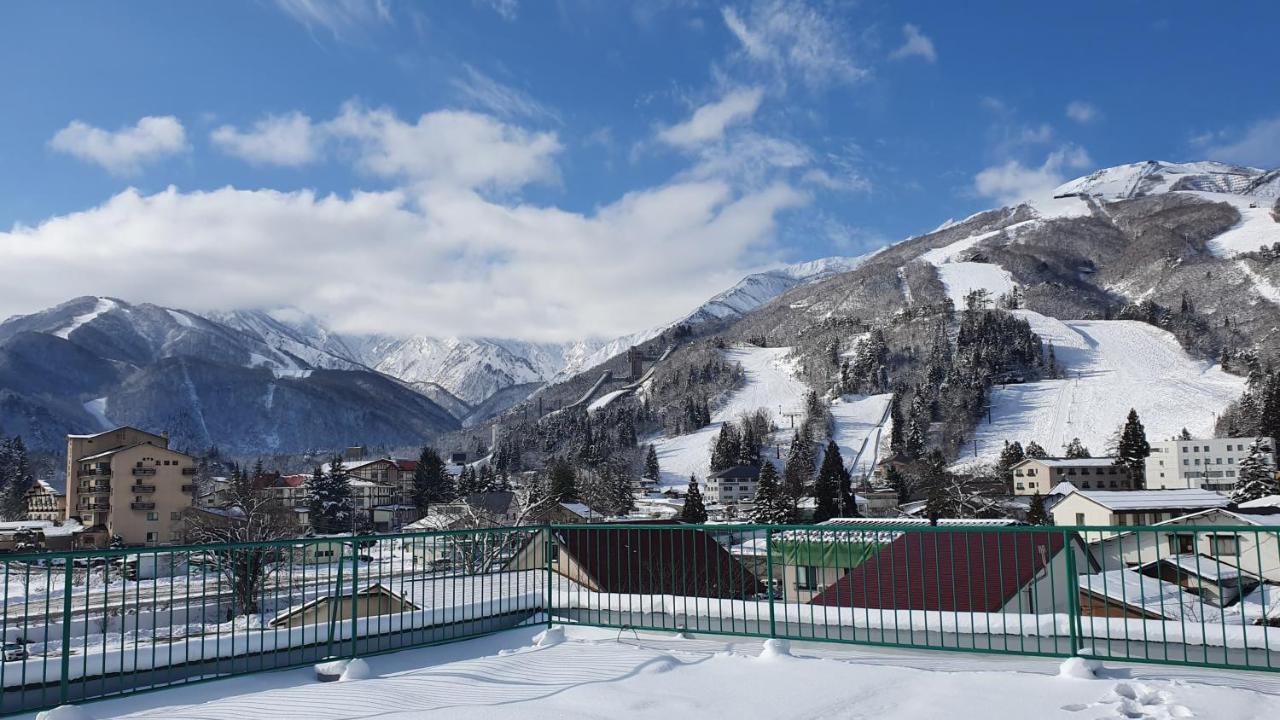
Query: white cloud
pixel 447 147
pixel 437 254
pixel 345 20
pixel 915 44
pixel 443 261
pixel 506 9
pixel 123 151
pixel 794 39
pixel 485 93
pixel 709 122
pixel 1082 112
pixel 288 140
pixel 1259 145
pixel 847 183
pixel 1012 182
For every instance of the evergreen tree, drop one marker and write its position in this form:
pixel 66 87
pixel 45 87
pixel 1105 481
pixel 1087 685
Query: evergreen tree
pixel 727 448
pixel 913 443
pixel 798 471
pixel 770 507
pixel 1185 435
pixel 1133 448
pixel 897 430
pixel 1035 451
pixel 826 488
pixel 1036 514
pixel 15 478
pixel 563 485
pixel 894 478
pixel 330 508
pixel 1011 455
pixel 694 510
pixel 1256 478
pixel 652 471
pixel 1076 449
pixel 431 482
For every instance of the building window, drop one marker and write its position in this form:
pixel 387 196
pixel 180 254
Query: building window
pixel 153 516
pixel 806 577
pixel 1079 518
pixel 153 538
pixel 1221 545
pixel 175 516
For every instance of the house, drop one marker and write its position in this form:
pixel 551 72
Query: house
pixel 1132 507
pixel 1040 475
pixel 732 486
pixel 877 502
pixel 393 517
pixel 630 558
pixel 47 500
pixel 395 472
pixel 1123 593
pixel 373 600
pixel 1244 542
pixel 1203 464
pixel 130 484
pixel 1208 578
pixel 963 571
pixel 39 535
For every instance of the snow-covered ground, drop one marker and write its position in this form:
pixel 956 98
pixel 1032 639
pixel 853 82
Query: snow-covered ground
pixel 770 384
pixel 862 425
pixel 1256 228
pixel 605 674
pixel 1111 366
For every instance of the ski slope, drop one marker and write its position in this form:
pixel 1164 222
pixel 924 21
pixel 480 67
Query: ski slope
pixel 1257 227
pixel 862 426
pixel 1111 366
pixel 770 384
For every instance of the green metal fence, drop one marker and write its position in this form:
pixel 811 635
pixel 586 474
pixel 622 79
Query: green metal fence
pixel 94 624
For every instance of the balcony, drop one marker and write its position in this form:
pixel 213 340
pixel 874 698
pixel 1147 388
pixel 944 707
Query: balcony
pixel 143 471
pixel 142 489
pixel 190 470
pixel 98 505
pixel 189 488
pixel 142 506
pixel 95 472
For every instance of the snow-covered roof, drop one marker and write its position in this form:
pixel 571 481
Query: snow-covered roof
pixel 46 527
pixel 578 509
pixel 1269 501
pixel 1136 590
pixel 1154 499
pixel 1203 566
pixel 1071 462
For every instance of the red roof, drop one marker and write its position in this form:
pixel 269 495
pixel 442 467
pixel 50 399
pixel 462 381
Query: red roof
pixel 949 571
pixel 407 465
pixel 291 480
pixel 631 558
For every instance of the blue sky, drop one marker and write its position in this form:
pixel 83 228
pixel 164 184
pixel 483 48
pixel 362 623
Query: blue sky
pixel 559 169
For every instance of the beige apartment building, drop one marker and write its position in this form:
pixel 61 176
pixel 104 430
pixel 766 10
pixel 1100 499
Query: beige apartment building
pixel 128 482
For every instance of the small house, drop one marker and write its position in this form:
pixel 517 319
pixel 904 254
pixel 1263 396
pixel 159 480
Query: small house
pixel 373 600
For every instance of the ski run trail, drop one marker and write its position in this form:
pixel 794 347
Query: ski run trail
pixel 771 384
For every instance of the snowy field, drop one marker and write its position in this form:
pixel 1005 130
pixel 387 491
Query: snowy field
pixel 1111 366
pixel 862 425
pixel 594 673
pixel 770 384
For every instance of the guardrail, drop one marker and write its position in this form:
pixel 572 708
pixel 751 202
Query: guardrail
pixel 92 624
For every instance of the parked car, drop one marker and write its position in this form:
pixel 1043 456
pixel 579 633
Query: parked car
pixel 15 651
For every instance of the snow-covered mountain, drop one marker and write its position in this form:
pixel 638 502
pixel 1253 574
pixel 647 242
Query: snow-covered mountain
pixel 1153 177
pixel 471 369
pixel 748 294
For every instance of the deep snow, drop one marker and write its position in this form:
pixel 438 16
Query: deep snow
pixel 606 674
pixel 1111 366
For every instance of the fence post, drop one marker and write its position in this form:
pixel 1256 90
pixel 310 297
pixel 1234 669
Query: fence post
pixel 546 551
pixel 1073 592
pixel 768 549
pixel 333 606
pixel 63 680
pixel 355 591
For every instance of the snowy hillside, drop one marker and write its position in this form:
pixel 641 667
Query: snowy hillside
pixel 860 422
pixel 1152 177
pixel 749 294
pixel 1110 366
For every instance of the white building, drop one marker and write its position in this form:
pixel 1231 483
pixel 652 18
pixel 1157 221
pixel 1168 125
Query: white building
pixel 732 486
pixel 1134 507
pixel 1201 464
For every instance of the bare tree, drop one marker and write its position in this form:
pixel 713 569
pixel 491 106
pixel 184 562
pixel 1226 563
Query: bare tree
pixel 484 550
pixel 246 516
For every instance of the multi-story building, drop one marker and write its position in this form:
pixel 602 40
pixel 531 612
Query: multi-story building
pixel 128 483
pixel 1210 464
pixel 395 472
pixel 732 486
pixel 1040 475
pixel 47 500
pixel 1136 507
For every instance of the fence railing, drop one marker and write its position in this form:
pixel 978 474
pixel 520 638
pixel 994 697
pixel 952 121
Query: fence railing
pixel 93 624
